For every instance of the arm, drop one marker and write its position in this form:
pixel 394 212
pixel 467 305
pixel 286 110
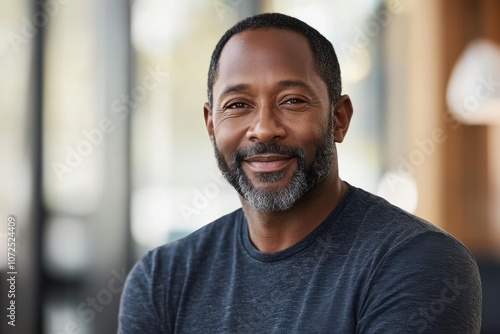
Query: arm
pixel 138 307
pixel 430 284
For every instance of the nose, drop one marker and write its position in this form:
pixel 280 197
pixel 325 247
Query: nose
pixel 266 126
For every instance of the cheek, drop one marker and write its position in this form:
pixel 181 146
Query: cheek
pixel 308 134
pixel 228 137
pixel 310 144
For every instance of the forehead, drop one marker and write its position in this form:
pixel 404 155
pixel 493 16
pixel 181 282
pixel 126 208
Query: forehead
pixel 265 53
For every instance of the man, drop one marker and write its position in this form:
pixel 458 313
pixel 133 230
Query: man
pixel 307 253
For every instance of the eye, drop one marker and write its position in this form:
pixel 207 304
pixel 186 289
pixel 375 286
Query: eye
pixel 236 105
pixel 294 101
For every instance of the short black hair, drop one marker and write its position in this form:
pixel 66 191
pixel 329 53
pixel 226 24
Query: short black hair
pixel 324 55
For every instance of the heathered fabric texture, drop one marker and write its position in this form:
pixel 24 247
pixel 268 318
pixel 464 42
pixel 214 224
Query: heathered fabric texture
pixel 368 268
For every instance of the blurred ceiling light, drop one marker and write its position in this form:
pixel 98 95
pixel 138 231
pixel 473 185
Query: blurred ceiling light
pixel 473 93
pixel 400 190
pixel 158 24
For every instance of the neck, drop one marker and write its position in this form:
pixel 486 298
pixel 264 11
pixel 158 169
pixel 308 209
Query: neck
pixel 274 231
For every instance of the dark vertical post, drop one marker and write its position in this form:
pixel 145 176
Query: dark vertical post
pixel 38 212
pixel 130 79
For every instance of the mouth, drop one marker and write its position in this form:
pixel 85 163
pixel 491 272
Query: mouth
pixel 268 163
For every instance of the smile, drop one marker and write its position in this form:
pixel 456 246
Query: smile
pixel 268 163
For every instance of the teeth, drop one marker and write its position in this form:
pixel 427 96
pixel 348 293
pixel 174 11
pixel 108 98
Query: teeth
pixel 268 158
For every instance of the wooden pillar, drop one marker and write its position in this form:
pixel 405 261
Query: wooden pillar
pixel 466 182
pixel 459 182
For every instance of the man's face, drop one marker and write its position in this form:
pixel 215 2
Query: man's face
pixel 271 121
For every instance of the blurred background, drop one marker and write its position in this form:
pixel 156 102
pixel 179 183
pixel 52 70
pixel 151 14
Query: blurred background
pixel 104 153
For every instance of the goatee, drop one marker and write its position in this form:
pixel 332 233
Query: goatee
pixel 271 199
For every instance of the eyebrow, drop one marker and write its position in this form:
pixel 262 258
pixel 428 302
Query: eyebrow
pixel 235 88
pixel 292 83
pixel 281 84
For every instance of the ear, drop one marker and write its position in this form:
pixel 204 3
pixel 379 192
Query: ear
pixel 342 113
pixel 207 112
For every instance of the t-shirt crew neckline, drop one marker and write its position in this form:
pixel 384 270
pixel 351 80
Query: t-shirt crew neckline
pixel 310 239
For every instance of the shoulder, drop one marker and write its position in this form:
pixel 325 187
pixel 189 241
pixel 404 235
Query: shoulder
pixel 418 275
pixel 392 237
pixel 429 282
pixel 384 224
pixel 152 286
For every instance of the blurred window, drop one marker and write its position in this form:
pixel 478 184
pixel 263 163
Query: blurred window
pixel 16 50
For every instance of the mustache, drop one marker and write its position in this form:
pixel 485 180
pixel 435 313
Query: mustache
pixel 263 148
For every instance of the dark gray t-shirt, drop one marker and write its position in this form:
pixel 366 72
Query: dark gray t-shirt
pixel 368 268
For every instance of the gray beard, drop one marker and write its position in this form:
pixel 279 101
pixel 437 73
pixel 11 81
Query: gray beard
pixel 303 179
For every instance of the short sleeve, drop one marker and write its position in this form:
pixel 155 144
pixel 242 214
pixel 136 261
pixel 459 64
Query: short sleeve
pixel 429 284
pixel 138 306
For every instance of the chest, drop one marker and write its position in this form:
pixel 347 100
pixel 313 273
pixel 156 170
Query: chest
pixel 302 295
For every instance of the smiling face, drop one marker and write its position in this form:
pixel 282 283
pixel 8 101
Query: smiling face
pixel 271 121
